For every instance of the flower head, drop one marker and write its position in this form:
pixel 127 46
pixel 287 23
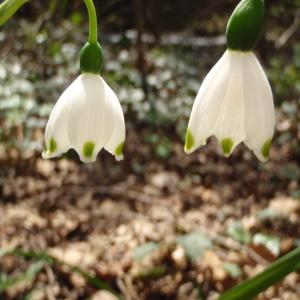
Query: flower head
pixel 87 117
pixel 235 104
pixel 235 101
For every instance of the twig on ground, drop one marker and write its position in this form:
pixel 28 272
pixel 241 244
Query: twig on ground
pixel 282 40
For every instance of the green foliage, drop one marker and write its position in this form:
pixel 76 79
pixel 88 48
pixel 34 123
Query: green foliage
pixel 272 243
pixel 28 275
pixel 152 273
pixel 291 171
pixel 250 288
pixel 144 250
pixel 8 9
pixel 233 270
pixel 194 244
pixel 239 233
pixel 267 213
pixel 285 75
pixel 43 258
pixel 162 145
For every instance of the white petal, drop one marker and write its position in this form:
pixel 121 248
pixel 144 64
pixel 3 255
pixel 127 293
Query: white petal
pixel 219 107
pixel 229 126
pixel 90 119
pixel 206 106
pixel 116 141
pixel 56 137
pixel 260 117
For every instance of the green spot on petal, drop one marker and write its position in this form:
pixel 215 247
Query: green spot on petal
pixel 189 141
pixel 265 150
pixel 227 145
pixel 88 149
pixel 52 146
pixel 119 149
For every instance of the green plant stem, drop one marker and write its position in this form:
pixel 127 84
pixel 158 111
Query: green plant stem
pixel 51 260
pixel 277 271
pixel 8 8
pixel 92 21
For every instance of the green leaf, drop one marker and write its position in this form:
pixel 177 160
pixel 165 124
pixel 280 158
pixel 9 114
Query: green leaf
pixel 233 270
pixel 46 258
pixel 30 274
pixel 250 288
pixel 31 295
pixel 272 243
pixel 291 171
pixel 296 194
pixel 297 243
pixel 239 233
pixel 152 273
pixel 3 252
pixel 144 250
pixel 8 8
pixel 194 244
pixel 267 213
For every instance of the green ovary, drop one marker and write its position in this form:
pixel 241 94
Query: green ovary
pixel 245 25
pixel 265 150
pixel 227 145
pixel 119 149
pixel 189 140
pixel 88 149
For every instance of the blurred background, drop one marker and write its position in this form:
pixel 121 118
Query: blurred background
pixel 160 224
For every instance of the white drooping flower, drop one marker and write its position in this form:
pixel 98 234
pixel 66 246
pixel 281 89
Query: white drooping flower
pixel 87 117
pixel 235 104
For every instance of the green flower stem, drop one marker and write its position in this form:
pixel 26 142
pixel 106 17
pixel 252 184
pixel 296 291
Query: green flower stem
pixel 8 8
pixel 91 56
pixel 92 21
pixel 250 288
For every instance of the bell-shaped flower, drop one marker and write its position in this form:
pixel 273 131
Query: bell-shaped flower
pixel 86 117
pixel 235 104
pixel 235 101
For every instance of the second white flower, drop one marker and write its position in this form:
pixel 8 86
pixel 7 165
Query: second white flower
pixel 235 104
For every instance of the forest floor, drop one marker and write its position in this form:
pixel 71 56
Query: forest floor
pixel 160 225
pixel 188 227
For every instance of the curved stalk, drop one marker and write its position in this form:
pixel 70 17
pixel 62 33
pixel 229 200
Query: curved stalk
pixel 92 21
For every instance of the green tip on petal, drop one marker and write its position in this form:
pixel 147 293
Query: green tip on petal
pixel 265 150
pixel 189 141
pixel 88 149
pixel 52 146
pixel 227 145
pixel 119 150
